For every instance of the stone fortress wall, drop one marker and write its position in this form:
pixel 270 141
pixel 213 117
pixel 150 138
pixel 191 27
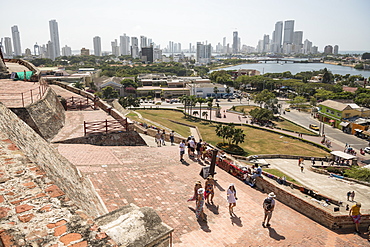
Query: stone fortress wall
pixel 58 168
pixel 45 116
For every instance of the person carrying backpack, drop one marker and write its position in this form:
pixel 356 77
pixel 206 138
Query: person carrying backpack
pixel 268 206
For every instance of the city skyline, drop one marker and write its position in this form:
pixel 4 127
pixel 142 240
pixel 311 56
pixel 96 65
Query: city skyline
pixel 183 26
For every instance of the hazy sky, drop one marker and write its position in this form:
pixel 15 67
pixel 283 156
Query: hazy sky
pixel 323 22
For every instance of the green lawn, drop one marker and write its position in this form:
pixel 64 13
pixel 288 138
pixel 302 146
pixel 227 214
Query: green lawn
pixel 280 174
pixel 282 123
pixel 257 141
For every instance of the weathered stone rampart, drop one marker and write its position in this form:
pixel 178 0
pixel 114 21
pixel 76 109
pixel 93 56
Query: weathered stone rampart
pixel 45 116
pixel 58 168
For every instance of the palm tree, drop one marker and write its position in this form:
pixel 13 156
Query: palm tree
pixel 210 105
pixel 238 136
pixel 205 114
pixel 227 90
pixel 192 102
pixel 185 100
pixel 215 90
pixel 201 101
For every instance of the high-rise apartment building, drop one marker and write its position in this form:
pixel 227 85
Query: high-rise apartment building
pixel 307 47
pixel 204 53
pixel 16 41
pixel 277 37
pixel 54 37
pixel 66 51
pixel 115 48
pixel 336 50
pixel 328 49
pixel 143 42
pixel 147 54
pixel 50 52
pixel 224 50
pixel 134 47
pixel 297 41
pixel 8 47
pixel 266 43
pixel 97 46
pixel 124 45
pixel 235 42
pixel 288 32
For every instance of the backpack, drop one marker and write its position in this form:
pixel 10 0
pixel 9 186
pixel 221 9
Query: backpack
pixel 267 203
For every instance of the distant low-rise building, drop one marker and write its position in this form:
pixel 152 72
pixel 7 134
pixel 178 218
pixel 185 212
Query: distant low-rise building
pixel 204 90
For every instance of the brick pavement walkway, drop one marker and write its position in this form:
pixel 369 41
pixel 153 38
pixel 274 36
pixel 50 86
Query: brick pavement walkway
pixel 153 177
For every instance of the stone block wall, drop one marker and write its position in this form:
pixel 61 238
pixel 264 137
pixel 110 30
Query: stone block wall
pixel 324 216
pixel 45 116
pixel 58 168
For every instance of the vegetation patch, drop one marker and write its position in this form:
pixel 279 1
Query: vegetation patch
pixel 281 174
pixel 231 148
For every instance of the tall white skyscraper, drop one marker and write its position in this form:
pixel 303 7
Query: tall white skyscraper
pixel 297 41
pixel 288 32
pixel 266 43
pixel 50 50
pixel 307 46
pixel 115 48
pixel 66 51
pixel 235 42
pixel 134 47
pixel 124 45
pixel 277 37
pixel 204 53
pixel 54 37
pixel 336 50
pixel 8 47
pixel 143 42
pixel 16 41
pixel 97 46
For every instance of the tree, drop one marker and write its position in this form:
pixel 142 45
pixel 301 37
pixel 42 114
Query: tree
pixel 201 101
pixel 205 114
pixel 129 101
pixel 261 114
pixel 264 97
pixel 184 99
pixel 327 76
pixel 227 90
pixel 215 90
pixel 129 83
pixel 79 85
pixel 192 102
pixel 210 105
pixel 109 93
pixel 238 136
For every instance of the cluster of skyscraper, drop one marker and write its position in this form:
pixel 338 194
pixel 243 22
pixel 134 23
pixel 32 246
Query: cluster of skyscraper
pixel 287 42
pixel 284 40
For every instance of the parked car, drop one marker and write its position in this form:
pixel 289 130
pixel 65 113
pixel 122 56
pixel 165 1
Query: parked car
pixel 287 109
pixel 314 127
pixel 367 150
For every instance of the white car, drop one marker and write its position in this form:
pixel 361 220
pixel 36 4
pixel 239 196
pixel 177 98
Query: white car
pixel 367 150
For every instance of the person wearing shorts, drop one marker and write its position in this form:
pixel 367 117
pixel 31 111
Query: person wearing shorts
pixel 182 150
pixel 355 214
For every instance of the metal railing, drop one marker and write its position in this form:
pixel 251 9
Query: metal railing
pixel 79 103
pixel 105 126
pixel 25 98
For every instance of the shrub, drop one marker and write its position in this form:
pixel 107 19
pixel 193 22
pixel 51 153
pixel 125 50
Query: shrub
pixel 358 173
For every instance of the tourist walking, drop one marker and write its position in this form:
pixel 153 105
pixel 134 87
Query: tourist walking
pixel 182 150
pixel 355 214
pixel 302 167
pixel 348 195
pixel 231 198
pixel 172 137
pixel 268 206
pixel 163 137
pixel 197 186
pixel 158 138
pixel 199 149
pixel 200 203
pixel 353 196
pixel 209 187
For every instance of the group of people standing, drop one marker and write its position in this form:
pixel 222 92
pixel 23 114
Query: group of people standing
pixel 196 150
pixel 160 138
pixel 205 195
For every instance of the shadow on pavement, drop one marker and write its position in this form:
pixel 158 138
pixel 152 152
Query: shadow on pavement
pixel 219 186
pixel 273 234
pixel 185 163
pixel 236 220
pixel 213 208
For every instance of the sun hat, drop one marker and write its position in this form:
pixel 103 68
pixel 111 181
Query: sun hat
pixel 358 204
pixel 272 195
pixel 200 191
pixel 198 182
pixel 231 184
pixel 210 177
